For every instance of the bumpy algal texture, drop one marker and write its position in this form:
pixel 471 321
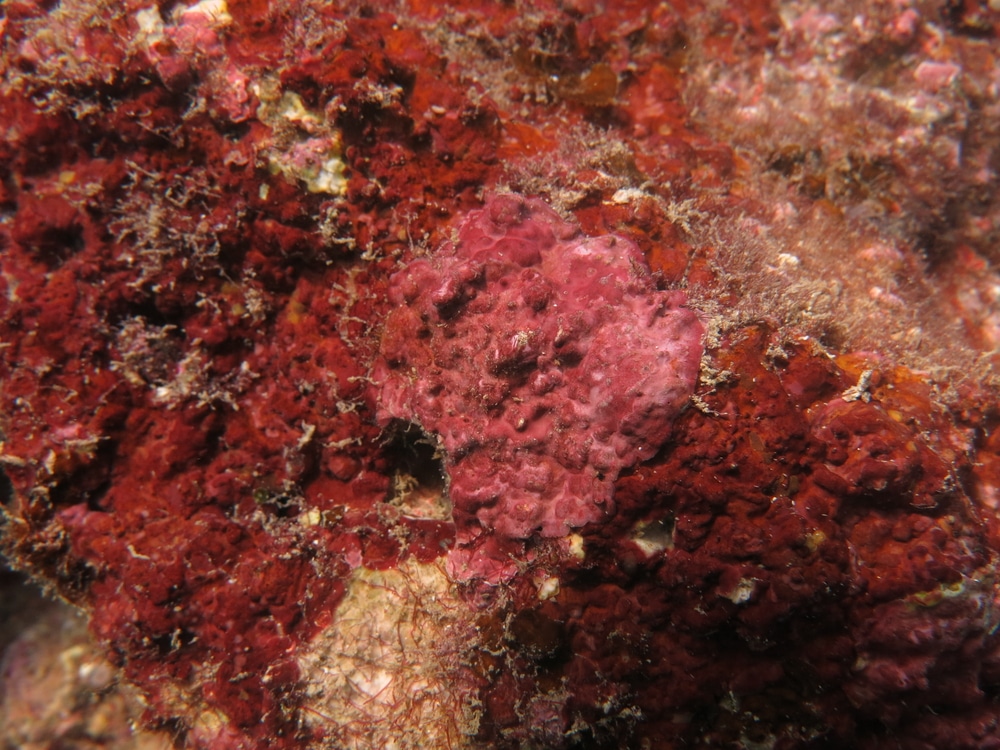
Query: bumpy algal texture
pixel 208 214
pixel 544 361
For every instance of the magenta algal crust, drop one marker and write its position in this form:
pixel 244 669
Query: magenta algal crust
pixel 545 362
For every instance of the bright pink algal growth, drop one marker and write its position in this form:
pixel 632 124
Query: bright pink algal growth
pixel 545 362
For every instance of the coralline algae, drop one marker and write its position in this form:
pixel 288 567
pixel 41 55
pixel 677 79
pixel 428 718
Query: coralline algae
pixel 544 361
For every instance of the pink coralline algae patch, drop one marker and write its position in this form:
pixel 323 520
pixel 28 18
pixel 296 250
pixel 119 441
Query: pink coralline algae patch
pixel 544 361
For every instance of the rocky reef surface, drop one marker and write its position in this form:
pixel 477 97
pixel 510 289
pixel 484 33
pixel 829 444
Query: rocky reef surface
pixel 515 375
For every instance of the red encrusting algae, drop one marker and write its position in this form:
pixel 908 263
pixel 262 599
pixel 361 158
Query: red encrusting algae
pixel 541 363
pixel 314 487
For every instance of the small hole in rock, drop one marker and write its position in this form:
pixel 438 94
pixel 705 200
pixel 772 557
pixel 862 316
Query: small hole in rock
pixel 419 479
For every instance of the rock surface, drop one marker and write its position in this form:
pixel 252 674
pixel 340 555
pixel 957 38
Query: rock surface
pixel 288 409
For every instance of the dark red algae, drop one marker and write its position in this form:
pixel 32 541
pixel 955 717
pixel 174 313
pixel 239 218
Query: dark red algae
pixel 511 375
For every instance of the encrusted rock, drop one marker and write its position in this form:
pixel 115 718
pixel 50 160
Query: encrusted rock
pixel 543 361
